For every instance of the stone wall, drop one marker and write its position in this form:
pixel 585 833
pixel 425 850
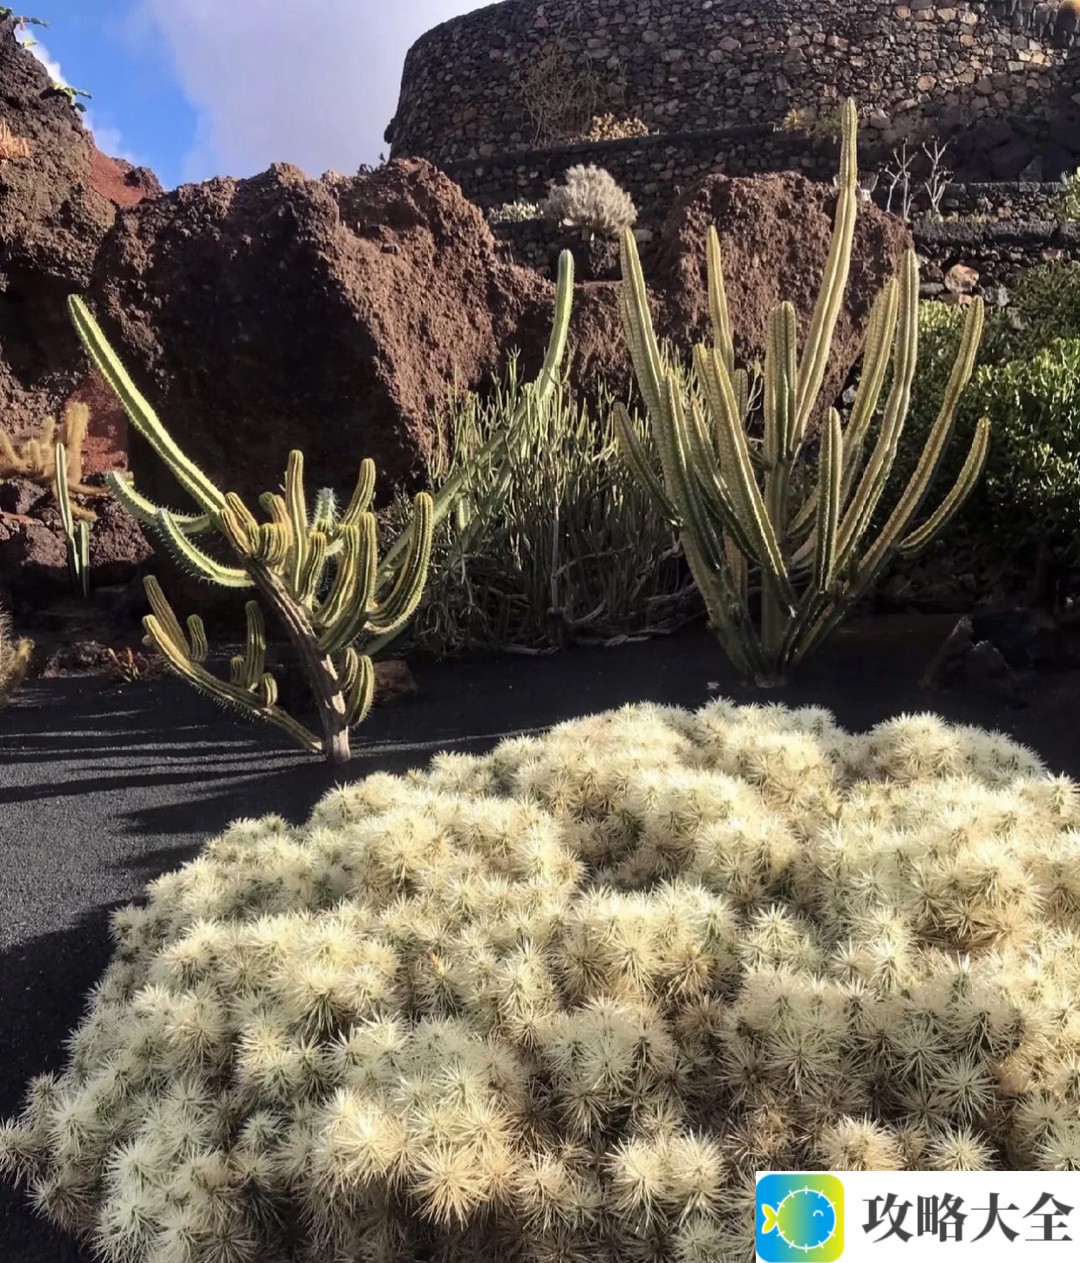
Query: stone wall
pixel 1022 202
pixel 708 66
pixel 652 169
pixel 997 251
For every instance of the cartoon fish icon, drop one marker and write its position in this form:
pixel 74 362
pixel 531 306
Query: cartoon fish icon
pixel 804 1220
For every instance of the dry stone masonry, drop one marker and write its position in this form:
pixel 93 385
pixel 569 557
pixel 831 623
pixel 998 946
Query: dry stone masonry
pixel 714 81
pixel 1003 72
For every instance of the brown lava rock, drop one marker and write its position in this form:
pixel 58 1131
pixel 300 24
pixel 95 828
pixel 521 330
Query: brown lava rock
pixel 775 232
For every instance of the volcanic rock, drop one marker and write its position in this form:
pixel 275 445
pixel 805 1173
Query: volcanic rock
pixel 274 312
pixel 58 199
pixel 332 315
pixel 774 232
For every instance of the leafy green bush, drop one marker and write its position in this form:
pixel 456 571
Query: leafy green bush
pixel 1033 477
pixel 574 550
pixel 1047 302
pixel 561 1001
pixel 1068 205
pixel 1030 491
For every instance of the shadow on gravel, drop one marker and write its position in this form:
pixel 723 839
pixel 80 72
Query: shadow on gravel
pixel 103 789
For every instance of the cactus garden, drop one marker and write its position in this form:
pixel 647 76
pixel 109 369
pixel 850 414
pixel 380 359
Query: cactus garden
pixel 709 845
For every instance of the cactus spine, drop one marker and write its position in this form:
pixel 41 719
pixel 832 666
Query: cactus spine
pixel 742 512
pixel 286 561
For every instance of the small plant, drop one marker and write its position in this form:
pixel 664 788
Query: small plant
pixel 898 174
pixel 559 94
pixel 69 93
pixel 76 536
pixel 21 20
pixel 798 119
pixel 517 212
pixel 611 127
pixel 819 123
pixel 937 178
pixel 12 146
pixel 130 665
pixel 36 460
pixel 574 551
pixel 803 542
pixel 590 200
pixel 827 125
pixel 14 659
pixel 1068 200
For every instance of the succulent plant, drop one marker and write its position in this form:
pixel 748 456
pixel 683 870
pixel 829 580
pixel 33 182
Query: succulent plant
pixel 286 559
pixel 69 93
pixel 77 536
pixel 562 1000
pixel 750 518
pixel 14 659
pixel 590 199
pixel 36 458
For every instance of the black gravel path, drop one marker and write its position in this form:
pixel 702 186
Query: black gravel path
pixel 103 789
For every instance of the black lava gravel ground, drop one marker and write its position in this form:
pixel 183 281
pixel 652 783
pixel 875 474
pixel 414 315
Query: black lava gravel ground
pixel 103 789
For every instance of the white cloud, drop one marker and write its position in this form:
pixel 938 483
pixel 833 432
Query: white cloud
pixel 268 86
pixel 42 54
pixel 108 139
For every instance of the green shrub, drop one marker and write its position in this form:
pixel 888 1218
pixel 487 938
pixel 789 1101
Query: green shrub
pixel 1030 491
pixel 573 550
pixel 1047 302
pixel 1034 473
pixel 1068 204
pixel 561 1001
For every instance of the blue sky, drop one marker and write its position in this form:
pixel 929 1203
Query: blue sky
pixel 198 88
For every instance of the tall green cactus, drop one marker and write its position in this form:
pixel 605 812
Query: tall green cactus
pixel 742 513
pixel 286 558
pixel 77 534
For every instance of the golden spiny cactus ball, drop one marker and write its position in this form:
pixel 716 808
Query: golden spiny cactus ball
pixel 560 1002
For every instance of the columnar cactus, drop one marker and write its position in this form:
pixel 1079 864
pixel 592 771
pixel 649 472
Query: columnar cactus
pixel 745 515
pixel 37 458
pixel 77 535
pixel 286 560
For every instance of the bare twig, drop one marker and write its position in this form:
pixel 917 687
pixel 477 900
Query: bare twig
pixel 938 177
pixel 898 175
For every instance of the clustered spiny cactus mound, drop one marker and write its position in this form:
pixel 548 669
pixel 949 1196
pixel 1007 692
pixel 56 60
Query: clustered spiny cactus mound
pixel 589 199
pixel 560 1002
